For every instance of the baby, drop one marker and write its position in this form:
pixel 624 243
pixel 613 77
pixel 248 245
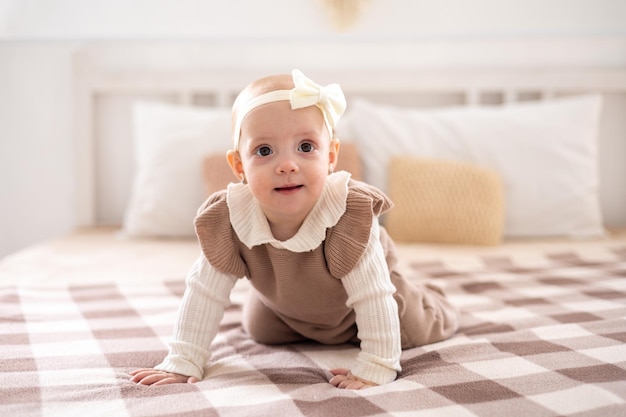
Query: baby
pixel 308 240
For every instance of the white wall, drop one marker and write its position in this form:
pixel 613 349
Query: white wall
pixel 254 19
pixel 39 37
pixel 36 153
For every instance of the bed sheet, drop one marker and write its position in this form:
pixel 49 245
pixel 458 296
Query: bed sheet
pixel 543 326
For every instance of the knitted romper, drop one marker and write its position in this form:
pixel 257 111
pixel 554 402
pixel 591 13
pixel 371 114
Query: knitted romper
pixel 299 296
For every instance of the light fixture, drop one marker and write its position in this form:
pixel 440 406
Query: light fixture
pixel 344 13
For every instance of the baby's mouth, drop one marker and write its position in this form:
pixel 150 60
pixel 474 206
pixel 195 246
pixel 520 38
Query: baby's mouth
pixel 288 188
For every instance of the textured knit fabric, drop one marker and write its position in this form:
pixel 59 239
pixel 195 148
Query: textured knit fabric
pixel 328 282
pixel 445 201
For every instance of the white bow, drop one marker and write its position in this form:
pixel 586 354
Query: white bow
pixel 329 99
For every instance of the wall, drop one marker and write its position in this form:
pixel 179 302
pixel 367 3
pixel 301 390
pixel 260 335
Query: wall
pixel 297 19
pixel 39 37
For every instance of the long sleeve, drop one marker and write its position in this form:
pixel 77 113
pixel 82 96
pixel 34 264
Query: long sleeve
pixel 202 309
pixel 370 293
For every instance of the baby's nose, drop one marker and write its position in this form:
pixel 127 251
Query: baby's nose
pixel 287 164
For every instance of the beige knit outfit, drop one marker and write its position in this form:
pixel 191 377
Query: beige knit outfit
pixel 334 282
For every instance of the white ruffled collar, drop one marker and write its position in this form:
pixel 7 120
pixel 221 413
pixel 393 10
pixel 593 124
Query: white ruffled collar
pixel 252 227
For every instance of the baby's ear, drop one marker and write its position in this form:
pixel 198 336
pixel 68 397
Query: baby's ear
pixel 333 154
pixel 234 160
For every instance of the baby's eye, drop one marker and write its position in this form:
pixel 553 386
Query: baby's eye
pixel 306 147
pixel 264 151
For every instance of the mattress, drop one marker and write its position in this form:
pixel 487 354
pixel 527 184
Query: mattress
pixel 543 326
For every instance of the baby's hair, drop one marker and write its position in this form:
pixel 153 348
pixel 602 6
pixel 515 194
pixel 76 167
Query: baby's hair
pixel 298 90
pixel 255 89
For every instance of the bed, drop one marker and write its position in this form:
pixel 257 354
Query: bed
pixel 542 304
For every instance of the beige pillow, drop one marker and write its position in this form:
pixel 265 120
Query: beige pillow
pixel 442 201
pixel 216 173
pixel 349 160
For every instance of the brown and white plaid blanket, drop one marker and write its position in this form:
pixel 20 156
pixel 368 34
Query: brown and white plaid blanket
pixel 543 340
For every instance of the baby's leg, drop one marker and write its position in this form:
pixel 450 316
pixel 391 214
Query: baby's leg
pixel 426 316
pixel 263 325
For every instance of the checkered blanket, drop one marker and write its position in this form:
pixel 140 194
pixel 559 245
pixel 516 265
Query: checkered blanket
pixel 544 340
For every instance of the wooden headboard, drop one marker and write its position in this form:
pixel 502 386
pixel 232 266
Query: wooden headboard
pixel 103 98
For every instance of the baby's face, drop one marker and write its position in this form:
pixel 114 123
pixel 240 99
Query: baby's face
pixel 285 157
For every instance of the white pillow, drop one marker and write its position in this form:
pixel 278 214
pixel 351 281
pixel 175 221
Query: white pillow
pixel 545 153
pixel 170 143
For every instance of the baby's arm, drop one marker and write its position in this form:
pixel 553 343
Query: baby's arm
pixel 202 309
pixel 370 293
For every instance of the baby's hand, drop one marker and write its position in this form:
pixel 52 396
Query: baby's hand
pixel 344 379
pixel 149 376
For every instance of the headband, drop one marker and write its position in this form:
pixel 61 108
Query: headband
pixel 329 99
